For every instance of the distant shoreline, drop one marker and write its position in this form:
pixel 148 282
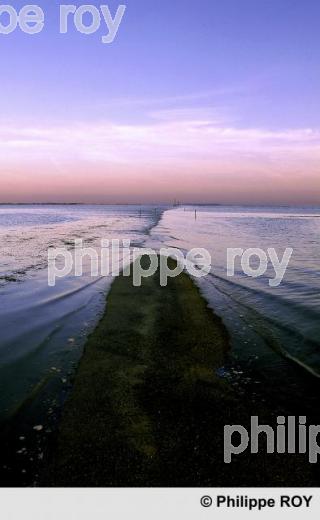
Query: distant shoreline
pixel 165 204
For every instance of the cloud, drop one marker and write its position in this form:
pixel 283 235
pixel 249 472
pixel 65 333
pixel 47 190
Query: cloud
pixel 188 154
pixel 177 135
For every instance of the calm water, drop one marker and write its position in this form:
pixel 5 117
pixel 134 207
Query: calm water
pixel 262 319
pixel 26 232
pixel 40 325
pixel 43 329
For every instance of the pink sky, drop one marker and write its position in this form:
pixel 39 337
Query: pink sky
pixel 199 101
pixel 179 154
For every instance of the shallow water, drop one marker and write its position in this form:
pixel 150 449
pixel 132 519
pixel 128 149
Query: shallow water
pixel 261 319
pixel 43 329
pixel 26 232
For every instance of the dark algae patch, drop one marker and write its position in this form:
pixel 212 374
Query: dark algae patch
pixel 148 406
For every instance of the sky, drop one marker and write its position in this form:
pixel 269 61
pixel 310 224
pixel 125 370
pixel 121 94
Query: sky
pixel 197 100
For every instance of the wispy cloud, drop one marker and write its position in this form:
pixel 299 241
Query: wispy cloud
pixel 177 135
pixel 190 153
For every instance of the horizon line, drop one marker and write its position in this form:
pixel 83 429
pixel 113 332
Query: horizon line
pixel 174 204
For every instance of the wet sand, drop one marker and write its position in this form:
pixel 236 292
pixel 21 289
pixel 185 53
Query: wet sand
pixel 150 400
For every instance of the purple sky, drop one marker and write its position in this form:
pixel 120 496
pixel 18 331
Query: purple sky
pixel 205 101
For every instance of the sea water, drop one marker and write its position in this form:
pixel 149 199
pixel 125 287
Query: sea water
pixel 43 329
pixel 263 320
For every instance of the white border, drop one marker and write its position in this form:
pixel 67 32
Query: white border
pixel 149 504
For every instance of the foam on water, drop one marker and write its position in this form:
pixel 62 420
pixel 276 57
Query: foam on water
pixel 26 232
